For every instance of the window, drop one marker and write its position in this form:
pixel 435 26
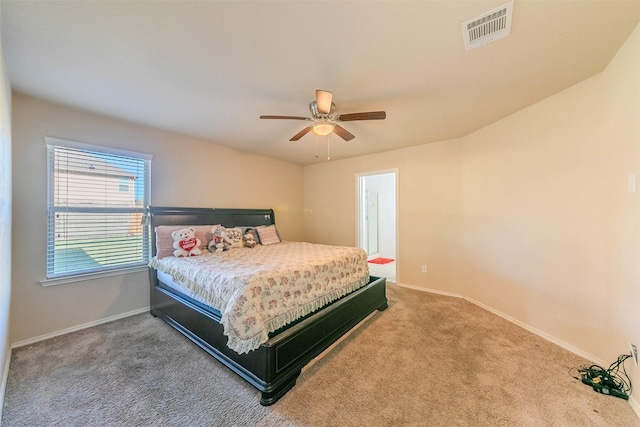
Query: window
pixel 124 184
pixel 97 200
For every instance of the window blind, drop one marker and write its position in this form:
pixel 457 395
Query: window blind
pixel 97 202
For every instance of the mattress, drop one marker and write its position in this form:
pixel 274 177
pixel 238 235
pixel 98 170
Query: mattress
pixel 259 290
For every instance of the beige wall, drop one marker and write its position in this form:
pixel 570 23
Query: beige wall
pixel 529 216
pixel 185 172
pixel 429 206
pixel 551 236
pixel 5 219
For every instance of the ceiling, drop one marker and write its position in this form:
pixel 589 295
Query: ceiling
pixel 209 69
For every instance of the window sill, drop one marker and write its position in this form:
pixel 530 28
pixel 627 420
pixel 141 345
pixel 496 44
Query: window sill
pixel 91 276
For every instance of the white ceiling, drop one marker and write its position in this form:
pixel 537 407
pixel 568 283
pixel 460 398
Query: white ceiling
pixel 209 69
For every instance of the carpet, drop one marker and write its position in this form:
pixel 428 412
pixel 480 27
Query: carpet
pixel 381 260
pixel 428 360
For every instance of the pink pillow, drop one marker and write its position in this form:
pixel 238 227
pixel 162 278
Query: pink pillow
pixel 268 234
pixel 164 241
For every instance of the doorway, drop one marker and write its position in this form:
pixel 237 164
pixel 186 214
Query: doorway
pixel 377 226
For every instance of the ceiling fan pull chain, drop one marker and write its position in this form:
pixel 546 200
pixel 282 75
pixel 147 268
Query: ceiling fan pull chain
pixel 316 146
pixel 328 147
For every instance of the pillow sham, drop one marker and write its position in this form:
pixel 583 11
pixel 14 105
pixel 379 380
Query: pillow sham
pixel 164 241
pixel 235 235
pixel 268 234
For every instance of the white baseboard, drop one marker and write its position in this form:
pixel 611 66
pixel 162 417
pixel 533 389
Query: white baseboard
pixel 523 325
pixel 5 378
pixel 632 401
pixel 431 291
pixel 575 350
pixel 5 374
pixel 546 336
pixel 634 405
pixel 80 327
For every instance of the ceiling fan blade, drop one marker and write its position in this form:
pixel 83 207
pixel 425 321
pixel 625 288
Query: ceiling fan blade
pixel 371 115
pixel 323 101
pixel 300 134
pixel 284 117
pixel 343 133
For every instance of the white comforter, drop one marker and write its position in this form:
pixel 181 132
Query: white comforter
pixel 259 290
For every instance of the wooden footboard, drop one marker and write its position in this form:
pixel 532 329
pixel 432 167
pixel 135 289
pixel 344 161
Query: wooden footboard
pixel 274 367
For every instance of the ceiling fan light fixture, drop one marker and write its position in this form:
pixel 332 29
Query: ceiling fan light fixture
pixel 324 128
pixel 324 121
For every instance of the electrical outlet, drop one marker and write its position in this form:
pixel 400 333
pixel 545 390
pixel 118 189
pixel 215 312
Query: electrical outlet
pixel 634 353
pixel 424 268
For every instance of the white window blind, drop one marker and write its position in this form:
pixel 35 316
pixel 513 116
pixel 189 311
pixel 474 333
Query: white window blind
pixel 97 200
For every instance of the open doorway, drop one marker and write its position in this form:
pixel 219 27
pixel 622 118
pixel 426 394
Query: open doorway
pixel 377 226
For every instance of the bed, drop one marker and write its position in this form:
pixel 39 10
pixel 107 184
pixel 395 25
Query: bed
pixel 273 365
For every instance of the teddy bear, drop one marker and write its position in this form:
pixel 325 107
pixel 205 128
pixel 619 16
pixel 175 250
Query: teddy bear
pixel 249 239
pixel 219 240
pixel 186 243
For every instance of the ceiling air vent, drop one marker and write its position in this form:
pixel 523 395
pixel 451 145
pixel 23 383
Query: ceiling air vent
pixel 488 27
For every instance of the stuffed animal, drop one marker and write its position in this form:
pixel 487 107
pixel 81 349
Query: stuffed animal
pixel 250 239
pixel 219 240
pixel 185 243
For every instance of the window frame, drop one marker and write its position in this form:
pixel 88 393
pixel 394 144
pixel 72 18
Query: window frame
pixel 53 278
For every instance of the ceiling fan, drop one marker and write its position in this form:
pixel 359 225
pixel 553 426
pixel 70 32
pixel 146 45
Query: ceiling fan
pixel 323 119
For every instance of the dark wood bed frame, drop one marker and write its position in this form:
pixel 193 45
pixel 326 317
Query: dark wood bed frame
pixel 273 367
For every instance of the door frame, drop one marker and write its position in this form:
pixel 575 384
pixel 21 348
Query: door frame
pixel 359 208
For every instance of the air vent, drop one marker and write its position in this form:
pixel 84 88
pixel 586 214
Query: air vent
pixel 488 27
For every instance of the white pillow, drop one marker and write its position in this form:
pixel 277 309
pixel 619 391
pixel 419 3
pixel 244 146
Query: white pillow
pixel 235 235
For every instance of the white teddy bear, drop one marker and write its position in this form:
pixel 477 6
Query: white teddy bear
pixel 185 243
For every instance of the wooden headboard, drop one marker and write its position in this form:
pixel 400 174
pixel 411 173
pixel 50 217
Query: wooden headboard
pixel 205 216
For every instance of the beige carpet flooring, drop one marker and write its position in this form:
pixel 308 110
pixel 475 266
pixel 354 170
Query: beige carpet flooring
pixel 428 360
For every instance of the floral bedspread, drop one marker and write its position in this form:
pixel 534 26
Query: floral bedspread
pixel 259 290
